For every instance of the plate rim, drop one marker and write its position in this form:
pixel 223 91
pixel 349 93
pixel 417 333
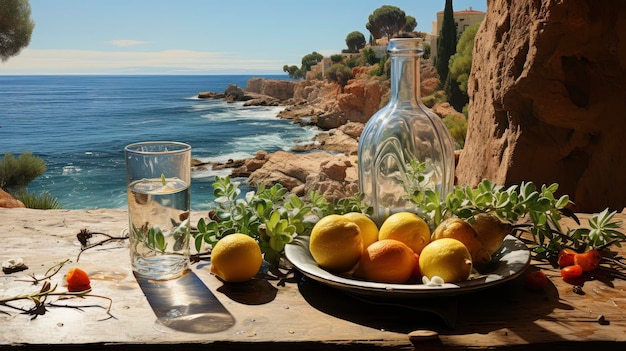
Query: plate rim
pixel 310 269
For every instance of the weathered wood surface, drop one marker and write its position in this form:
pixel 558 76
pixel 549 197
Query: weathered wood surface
pixel 301 314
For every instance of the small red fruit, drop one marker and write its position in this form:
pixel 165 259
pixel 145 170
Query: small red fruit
pixel 535 280
pixel 77 280
pixel 571 272
pixel 589 260
pixel 566 257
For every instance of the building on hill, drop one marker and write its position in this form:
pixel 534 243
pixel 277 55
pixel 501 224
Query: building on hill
pixel 462 19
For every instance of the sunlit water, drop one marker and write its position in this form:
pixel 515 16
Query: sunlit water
pixel 79 125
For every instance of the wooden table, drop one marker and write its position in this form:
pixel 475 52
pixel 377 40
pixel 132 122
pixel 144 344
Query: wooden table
pixel 301 314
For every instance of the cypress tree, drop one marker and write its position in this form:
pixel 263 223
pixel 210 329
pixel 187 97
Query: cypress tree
pixel 446 43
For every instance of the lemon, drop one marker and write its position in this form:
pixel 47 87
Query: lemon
pixel 369 230
pixel 408 228
pixel 336 243
pixel 387 261
pixel 458 229
pixel 236 258
pixel 446 258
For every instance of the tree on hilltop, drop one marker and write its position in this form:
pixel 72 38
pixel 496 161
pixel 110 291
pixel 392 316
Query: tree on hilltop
pixel 446 43
pixel 311 60
pixel 386 21
pixel 355 41
pixel 16 27
pixel 308 61
pixel 410 25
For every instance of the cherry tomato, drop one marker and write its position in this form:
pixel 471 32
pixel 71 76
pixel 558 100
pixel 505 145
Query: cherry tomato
pixel 571 272
pixel 566 257
pixel 77 280
pixel 535 280
pixel 589 260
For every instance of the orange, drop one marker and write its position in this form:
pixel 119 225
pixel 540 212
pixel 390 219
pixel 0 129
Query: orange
pixel 387 261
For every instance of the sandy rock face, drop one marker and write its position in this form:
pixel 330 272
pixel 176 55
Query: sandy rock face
pixel 547 99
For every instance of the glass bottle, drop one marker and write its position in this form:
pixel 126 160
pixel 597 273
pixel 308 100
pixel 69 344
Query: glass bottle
pixel 402 136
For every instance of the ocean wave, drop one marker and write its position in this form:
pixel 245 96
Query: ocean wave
pixel 148 121
pixel 69 170
pixel 209 174
pixel 236 112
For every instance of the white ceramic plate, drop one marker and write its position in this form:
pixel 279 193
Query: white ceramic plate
pixel 506 264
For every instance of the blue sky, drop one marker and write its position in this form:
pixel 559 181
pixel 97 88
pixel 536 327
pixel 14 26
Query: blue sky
pixel 197 36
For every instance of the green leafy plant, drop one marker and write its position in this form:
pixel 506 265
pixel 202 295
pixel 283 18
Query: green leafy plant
pixel 533 209
pixel 273 216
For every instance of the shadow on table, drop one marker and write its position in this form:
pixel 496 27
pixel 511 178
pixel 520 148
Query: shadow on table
pixel 476 312
pixel 186 304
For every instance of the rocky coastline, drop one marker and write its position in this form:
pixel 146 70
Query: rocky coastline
pixel 327 164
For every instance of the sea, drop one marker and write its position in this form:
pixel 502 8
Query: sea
pixel 79 125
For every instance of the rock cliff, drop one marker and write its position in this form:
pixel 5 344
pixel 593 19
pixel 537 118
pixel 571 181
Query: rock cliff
pixel 547 99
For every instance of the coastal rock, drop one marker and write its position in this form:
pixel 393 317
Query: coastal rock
pixel 211 95
pixel 233 93
pixel 362 98
pixel 344 139
pixel 250 165
pixel 337 178
pixel 278 89
pixel 546 99
pixel 8 201
pixel 300 172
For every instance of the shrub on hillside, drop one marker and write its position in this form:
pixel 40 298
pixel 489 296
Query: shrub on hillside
pixel 370 56
pixel 336 58
pixel 339 73
pixel 457 126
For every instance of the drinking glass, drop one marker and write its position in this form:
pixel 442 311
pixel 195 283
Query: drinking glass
pixel 158 176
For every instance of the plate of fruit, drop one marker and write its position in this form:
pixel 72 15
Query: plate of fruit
pixel 404 259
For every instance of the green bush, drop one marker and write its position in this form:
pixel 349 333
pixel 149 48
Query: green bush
pixel 17 173
pixel 370 56
pixel 384 68
pixel 339 73
pixel 336 58
pixel 434 98
pixel 457 126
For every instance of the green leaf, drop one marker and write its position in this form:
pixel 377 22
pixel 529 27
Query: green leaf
pixel 198 241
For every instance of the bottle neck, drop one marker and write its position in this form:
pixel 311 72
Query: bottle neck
pixel 405 79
